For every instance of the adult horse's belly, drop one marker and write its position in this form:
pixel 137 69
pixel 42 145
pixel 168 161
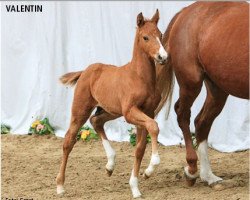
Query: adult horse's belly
pixel 224 51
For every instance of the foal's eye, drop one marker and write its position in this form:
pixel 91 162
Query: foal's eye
pixel 145 38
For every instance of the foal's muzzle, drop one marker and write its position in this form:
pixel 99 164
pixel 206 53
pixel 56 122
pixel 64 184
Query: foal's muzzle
pixel 161 59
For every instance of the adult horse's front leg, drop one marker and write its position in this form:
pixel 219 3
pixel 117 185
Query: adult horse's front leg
pixel 214 103
pixel 183 111
pixel 137 117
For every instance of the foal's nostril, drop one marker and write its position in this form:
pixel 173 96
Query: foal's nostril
pixel 159 57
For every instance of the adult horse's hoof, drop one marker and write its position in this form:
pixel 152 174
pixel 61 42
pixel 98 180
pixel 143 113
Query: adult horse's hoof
pixel 224 184
pixel 190 181
pixel 138 198
pixel 190 178
pixel 109 172
pixel 217 186
pixel 137 195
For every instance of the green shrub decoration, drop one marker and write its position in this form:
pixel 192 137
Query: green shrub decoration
pixel 194 141
pixel 132 138
pixel 5 129
pixel 41 127
pixel 86 134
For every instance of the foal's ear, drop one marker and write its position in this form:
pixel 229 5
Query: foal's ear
pixel 156 17
pixel 140 20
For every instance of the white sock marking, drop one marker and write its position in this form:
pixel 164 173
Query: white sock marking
pixel 60 190
pixel 110 152
pixel 133 182
pixel 206 173
pixel 155 160
pixel 192 176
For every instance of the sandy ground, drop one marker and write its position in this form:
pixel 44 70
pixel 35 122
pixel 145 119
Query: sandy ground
pixel 30 165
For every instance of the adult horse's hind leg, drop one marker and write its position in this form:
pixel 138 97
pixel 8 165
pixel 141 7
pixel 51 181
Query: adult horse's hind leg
pixel 98 120
pixel 188 93
pixel 212 107
pixel 81 110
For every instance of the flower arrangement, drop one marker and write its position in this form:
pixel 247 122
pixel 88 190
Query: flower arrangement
pixel 86 134
pixel 132 134
pixel 41 127
pixel 5 129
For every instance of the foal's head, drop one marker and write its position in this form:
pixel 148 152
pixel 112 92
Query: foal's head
pixel 149 38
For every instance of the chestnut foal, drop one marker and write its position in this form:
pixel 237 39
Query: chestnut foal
pixel 128 91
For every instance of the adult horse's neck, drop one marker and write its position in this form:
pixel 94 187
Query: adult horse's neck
pixel 142 64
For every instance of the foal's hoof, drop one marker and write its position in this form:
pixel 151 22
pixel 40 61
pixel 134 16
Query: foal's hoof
pixel 60 190
pixel 109 172
pixel 145 176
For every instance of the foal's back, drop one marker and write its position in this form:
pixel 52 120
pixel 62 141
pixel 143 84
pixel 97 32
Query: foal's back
pixel 112 86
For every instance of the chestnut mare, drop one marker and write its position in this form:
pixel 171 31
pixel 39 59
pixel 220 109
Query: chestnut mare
pixel 128 91
pixel 207 42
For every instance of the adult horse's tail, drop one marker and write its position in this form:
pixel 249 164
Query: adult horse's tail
pixel 165 84
pixel 165 73
pixel 70 78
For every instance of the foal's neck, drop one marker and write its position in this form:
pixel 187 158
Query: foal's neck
pixel 143 65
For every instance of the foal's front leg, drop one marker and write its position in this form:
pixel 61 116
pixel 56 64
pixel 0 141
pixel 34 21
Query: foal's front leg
pixel 141 142
pixel 137 117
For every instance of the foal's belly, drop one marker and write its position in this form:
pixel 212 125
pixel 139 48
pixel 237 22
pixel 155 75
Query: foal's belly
pixel 106 91
pixel 107 98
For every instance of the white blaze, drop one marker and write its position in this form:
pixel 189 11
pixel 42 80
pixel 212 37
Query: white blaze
pixel 162 51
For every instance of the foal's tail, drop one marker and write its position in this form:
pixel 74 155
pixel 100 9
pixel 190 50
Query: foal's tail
pixel 70 78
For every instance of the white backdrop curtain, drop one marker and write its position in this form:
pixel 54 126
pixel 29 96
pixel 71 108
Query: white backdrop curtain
pixel 37 48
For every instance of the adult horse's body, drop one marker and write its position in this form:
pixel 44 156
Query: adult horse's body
pixel 207 42
pixel 129 91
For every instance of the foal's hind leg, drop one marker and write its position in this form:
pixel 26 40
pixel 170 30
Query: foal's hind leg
pixel 81 111
pixel 98 120
pixel 212 107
